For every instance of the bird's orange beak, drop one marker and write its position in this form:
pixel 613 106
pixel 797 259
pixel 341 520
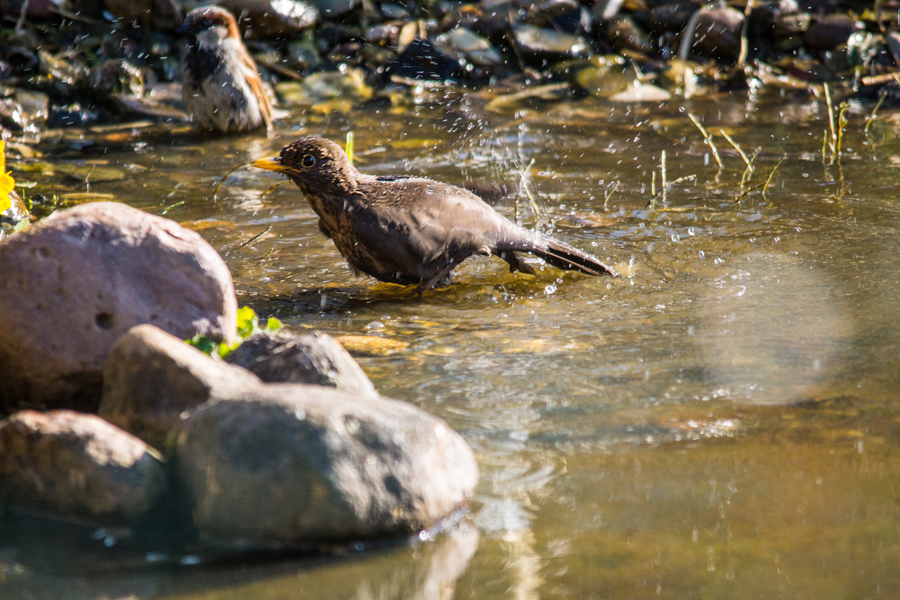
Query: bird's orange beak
pixel 270 164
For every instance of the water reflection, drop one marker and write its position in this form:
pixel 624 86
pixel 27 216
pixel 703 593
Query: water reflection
pixel 421 571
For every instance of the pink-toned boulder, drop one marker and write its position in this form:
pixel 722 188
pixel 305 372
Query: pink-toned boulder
pixel 71 285
pixel 152 378
pixel 76 467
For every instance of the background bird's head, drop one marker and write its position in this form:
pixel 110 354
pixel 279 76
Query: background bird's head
pixel 316 165
pixel 210 25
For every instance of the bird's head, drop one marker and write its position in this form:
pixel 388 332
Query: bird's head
pixel 211 25
pixel 315 164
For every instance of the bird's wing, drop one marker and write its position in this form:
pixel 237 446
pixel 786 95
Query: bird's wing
pixel 251 74
pixel 441 218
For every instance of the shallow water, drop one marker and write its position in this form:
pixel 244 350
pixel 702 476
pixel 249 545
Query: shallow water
pixel 720 421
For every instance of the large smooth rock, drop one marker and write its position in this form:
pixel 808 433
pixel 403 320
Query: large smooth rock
pixel 152 377
pixel 295 465
pixel 77 467
pixel 71 285
pixel 315 358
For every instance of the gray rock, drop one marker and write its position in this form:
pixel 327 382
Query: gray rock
pixel 315 358
pixel 152 377
pixel 548 44
pixel 77 467
pixel 624 34
pixel 463 43
pixel 71 285
pixel 295 465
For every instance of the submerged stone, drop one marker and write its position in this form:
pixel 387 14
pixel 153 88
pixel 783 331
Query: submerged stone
pixel 315 358
pixel 72 284
pixel 77 467
pixel 294 465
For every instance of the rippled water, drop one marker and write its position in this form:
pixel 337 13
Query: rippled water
pixel 720 421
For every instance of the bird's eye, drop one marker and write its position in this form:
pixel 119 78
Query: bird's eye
pixel 308 161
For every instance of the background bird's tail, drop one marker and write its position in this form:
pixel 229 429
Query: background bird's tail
pixel 563 256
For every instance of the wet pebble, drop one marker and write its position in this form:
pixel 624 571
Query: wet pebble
pixel 717 33
pixel 624 34
pixel 116 76
pixel 605 76
pixel 267 19
pixel 423 59
pixel 830 32
pixel 335 8
pixel 543 44
pixel 789 25
pixel 469 46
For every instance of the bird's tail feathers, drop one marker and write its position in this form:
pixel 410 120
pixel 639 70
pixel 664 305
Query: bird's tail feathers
pixel 563 256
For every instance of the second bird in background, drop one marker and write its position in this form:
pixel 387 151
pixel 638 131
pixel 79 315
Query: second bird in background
pixel 221 86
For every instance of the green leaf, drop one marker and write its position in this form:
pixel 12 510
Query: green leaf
pixel 226 349
pixel 203 344
pixel 274 325
pixel 247 322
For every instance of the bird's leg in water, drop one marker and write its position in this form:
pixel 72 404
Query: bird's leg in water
pixel 443 277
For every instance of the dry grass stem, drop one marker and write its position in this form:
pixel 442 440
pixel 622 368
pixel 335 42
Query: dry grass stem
pixel 735 145
pixel 708 139
pixel 772 174
pixel 272 187
pixel 609 193
pixel 255 237
pixel 228 174
pixel 172 207
pixel 871 118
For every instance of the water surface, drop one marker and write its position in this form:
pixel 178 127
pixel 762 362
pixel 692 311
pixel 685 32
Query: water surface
pixel 719 421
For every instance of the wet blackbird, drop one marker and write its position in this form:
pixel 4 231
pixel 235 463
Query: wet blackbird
pixel 410 230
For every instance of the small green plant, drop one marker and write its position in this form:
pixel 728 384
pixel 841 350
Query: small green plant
pixel 247 325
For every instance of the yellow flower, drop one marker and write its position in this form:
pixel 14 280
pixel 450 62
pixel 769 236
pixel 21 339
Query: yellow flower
pixel 7 183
